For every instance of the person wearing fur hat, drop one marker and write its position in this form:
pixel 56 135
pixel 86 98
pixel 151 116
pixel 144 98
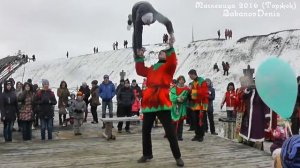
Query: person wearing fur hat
pixel 94 101
pixel 9 110
pixel 178 95
pixel 143 13
pixel 78 108
pixel 45 98
pixel 63 95
pixel 156 101
pixel 125 99
pixel 26 115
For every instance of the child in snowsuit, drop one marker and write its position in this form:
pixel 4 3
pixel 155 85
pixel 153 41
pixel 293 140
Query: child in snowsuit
pixel 79 106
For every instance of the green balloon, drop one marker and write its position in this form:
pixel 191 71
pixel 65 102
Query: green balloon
pixel 276 84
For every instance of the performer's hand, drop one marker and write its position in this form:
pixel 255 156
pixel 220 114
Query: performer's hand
pixel 171 40
pixel 140 52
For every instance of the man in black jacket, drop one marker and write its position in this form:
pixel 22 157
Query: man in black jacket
pixel 143 13
pixel 125 97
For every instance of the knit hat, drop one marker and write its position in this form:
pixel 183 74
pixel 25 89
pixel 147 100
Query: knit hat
pixel 45 82
pixel 147 18
pixel 29 80
pixel 79 94
pixel 95 82
pixel 133 81
pixel 105 76
pixel 72 95
pixel 8 82
pixel 192 72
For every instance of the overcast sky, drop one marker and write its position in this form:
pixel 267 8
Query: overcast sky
pixel 50 28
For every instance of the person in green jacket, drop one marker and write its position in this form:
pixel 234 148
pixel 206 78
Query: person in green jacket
pixel 178 96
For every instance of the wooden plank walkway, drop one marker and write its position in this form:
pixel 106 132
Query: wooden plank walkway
pixel 91 150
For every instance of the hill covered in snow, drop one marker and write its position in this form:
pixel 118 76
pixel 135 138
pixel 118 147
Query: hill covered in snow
pixel 200 55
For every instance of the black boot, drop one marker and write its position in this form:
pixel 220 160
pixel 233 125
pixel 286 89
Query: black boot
pixel 144 159
pixel 179 162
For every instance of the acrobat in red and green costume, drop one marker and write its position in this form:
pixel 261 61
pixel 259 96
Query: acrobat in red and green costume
pixel 159 77
pixel 178 96
pixel 156 101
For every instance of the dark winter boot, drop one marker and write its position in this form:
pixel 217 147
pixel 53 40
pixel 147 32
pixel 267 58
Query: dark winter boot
pixel 60 120
pixel 179 162
pixel 144 159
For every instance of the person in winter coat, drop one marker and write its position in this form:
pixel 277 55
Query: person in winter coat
pixel 156 101
pixel 121 85
pixel 36 108
pixel 0 87
pixel 19 90
pixel 84 88
pixel 178 96
pixel 107 91
pixel 143 13
pixel 71 103
pixel 210 109
pixel 199 104
pixel 45 98
pixel 94 101
pixel 125 99
pixel 63 96
pixel 9 110
pixel 296 114
pixel 26 115
pixel 226 68
pixel 216 67
pixel 230 100
pixel 78 107
pixel 137 91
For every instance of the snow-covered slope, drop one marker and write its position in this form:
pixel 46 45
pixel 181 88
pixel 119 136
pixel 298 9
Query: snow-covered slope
pixel 200 55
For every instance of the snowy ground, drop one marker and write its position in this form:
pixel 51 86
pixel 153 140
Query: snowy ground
pixel 200 55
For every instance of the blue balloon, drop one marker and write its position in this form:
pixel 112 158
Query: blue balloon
pixel 276 84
